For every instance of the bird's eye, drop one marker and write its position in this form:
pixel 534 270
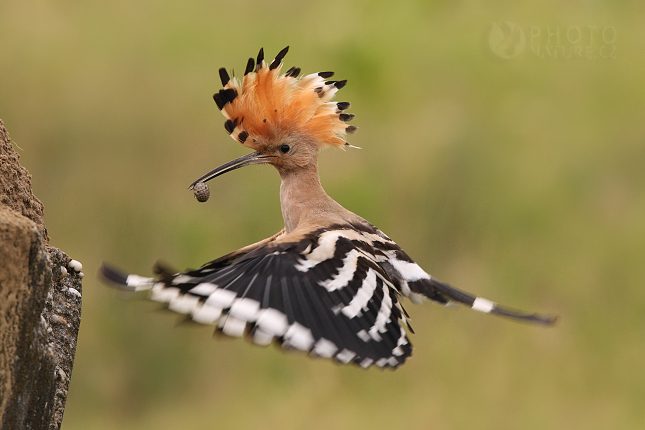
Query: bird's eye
pixel 285 148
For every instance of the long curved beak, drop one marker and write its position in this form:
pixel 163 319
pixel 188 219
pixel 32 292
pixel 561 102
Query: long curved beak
pixel 246 160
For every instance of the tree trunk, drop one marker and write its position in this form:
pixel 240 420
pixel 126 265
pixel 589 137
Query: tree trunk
pixel 40 306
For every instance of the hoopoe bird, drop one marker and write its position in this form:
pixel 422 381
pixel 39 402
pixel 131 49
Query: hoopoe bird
pixel 329 283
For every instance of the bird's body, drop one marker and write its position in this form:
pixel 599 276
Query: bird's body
pixel 329 283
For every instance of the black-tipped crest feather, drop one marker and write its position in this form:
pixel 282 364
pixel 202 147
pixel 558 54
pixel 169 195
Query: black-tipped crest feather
pixel 278 58
pixel 249 66
pixel 258 62
pixel 218 100
pixel 293 72
pixel 223 75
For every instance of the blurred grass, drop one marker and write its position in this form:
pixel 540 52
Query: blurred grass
pixel 518 180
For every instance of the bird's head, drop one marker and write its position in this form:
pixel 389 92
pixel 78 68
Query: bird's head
pixel 283 118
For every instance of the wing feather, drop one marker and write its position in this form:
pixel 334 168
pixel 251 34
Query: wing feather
pixel 325 295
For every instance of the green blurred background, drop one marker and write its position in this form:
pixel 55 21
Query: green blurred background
pixel 520 179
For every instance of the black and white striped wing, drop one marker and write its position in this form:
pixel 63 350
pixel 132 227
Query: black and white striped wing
pixel 325 295
pixel 414 283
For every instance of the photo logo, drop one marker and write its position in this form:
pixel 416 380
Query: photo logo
pixel 506 39
pixel 589 42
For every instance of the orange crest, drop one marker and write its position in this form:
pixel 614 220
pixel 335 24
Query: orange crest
pixel 270 105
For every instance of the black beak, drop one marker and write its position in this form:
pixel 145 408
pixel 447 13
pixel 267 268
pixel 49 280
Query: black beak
pixel 246 160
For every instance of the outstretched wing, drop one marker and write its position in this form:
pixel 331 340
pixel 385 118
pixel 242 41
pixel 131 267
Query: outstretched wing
pixel 413 282
pixel 325 295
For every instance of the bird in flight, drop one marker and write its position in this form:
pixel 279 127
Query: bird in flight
pixel 329 283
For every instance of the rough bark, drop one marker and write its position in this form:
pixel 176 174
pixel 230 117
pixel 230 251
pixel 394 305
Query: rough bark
pixel 40 306
pixel 15 184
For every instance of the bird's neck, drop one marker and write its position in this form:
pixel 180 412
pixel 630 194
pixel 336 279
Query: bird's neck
pixel 303 199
